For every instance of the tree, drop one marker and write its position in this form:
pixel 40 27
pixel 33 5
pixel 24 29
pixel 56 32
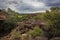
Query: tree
pixel 6 25
pixel 53 22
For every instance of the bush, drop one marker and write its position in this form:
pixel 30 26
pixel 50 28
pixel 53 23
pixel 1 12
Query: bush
pixel 16 34
pixel 36 32
pixel 6 28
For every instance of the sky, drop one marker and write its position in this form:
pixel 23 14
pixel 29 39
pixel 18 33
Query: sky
pixel 28 6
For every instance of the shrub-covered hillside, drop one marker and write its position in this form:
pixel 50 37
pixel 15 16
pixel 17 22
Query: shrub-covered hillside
pixel 18 26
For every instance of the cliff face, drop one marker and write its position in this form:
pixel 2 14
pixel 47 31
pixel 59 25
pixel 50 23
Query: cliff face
pixel 2 15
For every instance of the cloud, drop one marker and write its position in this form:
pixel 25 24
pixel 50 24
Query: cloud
pixel 26 6
pixel 53 3
pixel 2 5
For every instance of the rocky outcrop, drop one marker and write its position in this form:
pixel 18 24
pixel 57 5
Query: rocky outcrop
pixel 2 15
pixel 25 26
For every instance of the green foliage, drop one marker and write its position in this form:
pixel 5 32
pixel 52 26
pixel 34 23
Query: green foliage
pixel 38 17
pixel 8 24
pixel 51 29
pixel 53 19
pixel 6 28
pixel 55 8
pixel 36 32
pixel 16 34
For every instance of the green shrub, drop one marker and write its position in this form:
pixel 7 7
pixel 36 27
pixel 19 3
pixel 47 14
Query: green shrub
pixel 16 34
pixel 36 32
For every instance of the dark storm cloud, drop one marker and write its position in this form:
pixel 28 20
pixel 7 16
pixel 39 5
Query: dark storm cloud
pixel 53 3
pixel 24 6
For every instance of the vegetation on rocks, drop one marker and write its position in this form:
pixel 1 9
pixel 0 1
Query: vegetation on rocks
pixel 39 24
